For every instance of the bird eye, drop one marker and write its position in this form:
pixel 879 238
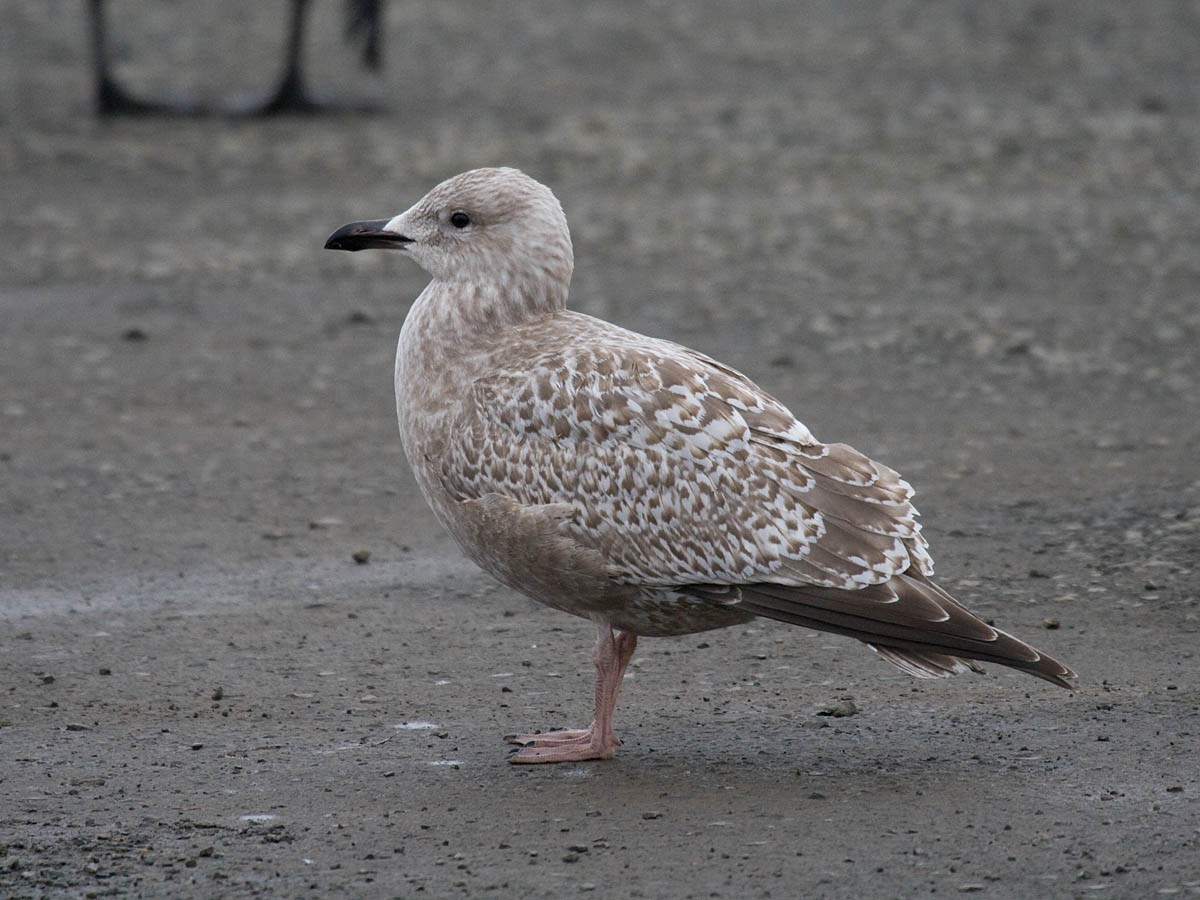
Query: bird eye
pixel 460 219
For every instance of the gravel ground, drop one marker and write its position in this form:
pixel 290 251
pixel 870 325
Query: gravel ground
pixel 961 237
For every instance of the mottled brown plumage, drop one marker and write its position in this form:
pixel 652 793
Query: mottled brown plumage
pixel 633 481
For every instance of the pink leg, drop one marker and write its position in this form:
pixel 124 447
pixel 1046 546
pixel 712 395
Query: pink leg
pixel 613 651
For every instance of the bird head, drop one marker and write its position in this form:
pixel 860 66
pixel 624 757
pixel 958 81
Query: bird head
pixel 484 226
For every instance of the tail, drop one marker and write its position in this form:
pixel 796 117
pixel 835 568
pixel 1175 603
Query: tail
pixel 910 622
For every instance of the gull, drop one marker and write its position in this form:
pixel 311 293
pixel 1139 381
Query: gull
pixel 633 481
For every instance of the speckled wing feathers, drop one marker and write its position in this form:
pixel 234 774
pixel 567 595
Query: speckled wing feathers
pixel 708 498
pixel 680 470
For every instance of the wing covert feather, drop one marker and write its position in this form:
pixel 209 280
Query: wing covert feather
pixel 682 471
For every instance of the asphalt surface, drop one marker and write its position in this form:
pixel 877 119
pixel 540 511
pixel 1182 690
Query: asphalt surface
pixel 961 237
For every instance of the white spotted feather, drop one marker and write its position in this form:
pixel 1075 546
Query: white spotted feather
pixel 678 471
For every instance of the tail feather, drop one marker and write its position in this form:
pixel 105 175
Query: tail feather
pixel 910 621
pixel 926 665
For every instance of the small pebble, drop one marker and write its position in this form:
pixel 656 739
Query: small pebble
pixel 839 710
pixel 362 557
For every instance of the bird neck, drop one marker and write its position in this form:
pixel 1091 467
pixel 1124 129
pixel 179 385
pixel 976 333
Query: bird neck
pixel 457 310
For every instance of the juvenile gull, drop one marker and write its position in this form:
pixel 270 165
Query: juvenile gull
pixel 633 481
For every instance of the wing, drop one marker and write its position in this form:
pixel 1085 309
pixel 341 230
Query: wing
pixel 682 471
